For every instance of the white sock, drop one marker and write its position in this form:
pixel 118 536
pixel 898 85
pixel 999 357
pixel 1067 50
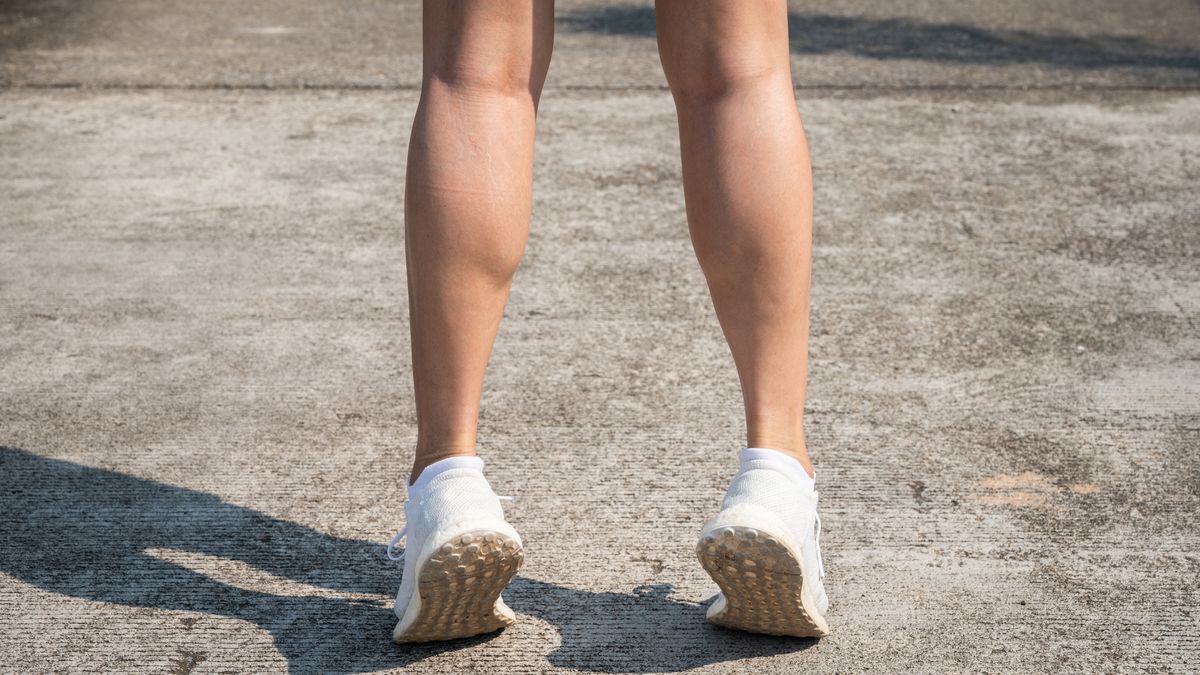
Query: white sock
pixel 443 465
pixel 791 463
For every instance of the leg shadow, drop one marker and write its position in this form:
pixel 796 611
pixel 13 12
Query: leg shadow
pixel 100 535
pixel 93 534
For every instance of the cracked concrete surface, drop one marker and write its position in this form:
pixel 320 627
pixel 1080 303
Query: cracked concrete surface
pixel 206 411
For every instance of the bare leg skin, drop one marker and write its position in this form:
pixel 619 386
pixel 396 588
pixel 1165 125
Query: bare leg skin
pixel 468 200
pixel 748 187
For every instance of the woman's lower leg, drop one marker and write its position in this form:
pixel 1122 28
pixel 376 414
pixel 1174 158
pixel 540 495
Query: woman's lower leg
pixel 748 188
pixel 467 202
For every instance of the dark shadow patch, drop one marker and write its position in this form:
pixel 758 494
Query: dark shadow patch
pixel 186 663
pixel 643 632
pixel 29 24
pixel 902 38
pixel 918 489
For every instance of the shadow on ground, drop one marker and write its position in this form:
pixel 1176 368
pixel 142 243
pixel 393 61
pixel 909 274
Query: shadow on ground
pixel 93 534
pixel 903 38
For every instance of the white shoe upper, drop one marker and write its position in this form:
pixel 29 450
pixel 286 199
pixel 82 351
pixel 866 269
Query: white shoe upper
pixel 771 496
pixel 454 501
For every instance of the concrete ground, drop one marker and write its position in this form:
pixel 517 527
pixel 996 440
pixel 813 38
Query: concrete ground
pixel 205 403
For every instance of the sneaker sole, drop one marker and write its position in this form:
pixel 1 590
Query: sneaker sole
pixel 459 585
pixel 762 583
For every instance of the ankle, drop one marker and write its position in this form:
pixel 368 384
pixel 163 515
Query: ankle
pixel 430 472
pixel 791 445
pixel 427 456
pixel 788 462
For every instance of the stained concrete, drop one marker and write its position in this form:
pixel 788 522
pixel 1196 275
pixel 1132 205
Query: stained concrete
pixel 205 404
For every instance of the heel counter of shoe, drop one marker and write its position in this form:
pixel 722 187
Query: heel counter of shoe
pixel 461 494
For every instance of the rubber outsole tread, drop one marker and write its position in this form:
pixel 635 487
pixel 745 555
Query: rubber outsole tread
pixel 762 582
pixel 459 586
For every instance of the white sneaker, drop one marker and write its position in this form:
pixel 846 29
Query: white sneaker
pixel 460 555
pixel 763 550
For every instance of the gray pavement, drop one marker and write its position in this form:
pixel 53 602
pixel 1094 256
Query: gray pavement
pixel 205 404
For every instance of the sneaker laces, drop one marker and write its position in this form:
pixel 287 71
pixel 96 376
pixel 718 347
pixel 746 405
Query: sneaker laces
pixel 391 549
pixel 396 540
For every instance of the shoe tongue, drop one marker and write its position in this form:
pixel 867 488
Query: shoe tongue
pixel 442 466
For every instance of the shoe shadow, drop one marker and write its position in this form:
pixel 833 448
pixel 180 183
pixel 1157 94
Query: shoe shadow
pixel 109 537
pixel 641 632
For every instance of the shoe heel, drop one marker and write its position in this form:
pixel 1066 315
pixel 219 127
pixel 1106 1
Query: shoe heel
pixel 459 587
pixel 761 581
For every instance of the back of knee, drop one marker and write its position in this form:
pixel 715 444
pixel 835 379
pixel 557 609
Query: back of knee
pixel 473 76
pixel 491 72
pixel 711 71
